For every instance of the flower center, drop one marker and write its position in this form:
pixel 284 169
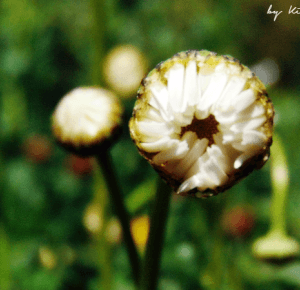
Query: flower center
pixel 205 128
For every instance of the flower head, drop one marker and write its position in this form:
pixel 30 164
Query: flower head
pixel 86 120
pixel 203 121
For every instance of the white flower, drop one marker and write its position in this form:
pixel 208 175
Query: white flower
pixel 85 119
pixel 203 122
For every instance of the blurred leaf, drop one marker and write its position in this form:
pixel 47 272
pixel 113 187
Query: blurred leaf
pixel 290 274
pixel 16 61
pixel 168 284
pixel 43 279
pixel 21 177
pixel 65 184
pixel 141 195
pixel 23 253
pixel 13 116
pixel 253 270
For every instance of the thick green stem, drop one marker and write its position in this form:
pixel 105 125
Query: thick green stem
pixel 118 202
pixel 280 180
pixel 154 247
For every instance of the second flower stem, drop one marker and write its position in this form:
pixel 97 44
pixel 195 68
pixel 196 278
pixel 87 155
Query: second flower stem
pixel 154 247
pixel 280 182
pixel 117 200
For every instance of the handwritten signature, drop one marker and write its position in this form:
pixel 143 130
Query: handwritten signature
pixel 292 10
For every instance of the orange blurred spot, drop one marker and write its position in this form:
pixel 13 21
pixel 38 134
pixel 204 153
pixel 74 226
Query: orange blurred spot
pixel 78 165
pixel 238 222
pixel 37 148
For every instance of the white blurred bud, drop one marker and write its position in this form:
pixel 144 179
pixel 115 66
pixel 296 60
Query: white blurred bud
pixel 86 120
pixel 124 68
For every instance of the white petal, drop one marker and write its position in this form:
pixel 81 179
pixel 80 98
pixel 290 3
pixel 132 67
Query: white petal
pixel 239 161
pixel 159 145
pixel 189 184
pixel 182 120
pixel 228 118
pixel 204 182
pixel 254 137
pixel 191 158
pixel 214 172
pixel 229 137
pixel 196 166
pixel 243 100
pixel 216 153
pixel 154 115
pixel 175 86
pixel 190 137
pixel 253 111
pixel 181 168
pixel 248 125
pixel 244 157
pixel 160 100
pixel 252 140
pixel 190 84
pixel 214 90
pixel 176 152
pixel 203 82
pixel 199 181
pixel 234 86
pixel 154 129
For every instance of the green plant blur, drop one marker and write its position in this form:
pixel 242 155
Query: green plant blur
pixel 49 48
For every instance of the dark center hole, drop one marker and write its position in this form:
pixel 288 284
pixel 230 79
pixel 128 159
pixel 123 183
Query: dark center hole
pixel 205 128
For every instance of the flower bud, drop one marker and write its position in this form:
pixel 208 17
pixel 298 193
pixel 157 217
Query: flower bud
pixel 87 120
pixel 276 246
pixel 124 67
pixel 203 121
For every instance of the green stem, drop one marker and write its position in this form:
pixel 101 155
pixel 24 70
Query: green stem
pixel 276 244
pixel 156 236
pixel 101 244
pixel 280 180
pixel 118 202
pixel 98 33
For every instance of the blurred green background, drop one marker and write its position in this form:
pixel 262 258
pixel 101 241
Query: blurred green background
pixel 51 47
